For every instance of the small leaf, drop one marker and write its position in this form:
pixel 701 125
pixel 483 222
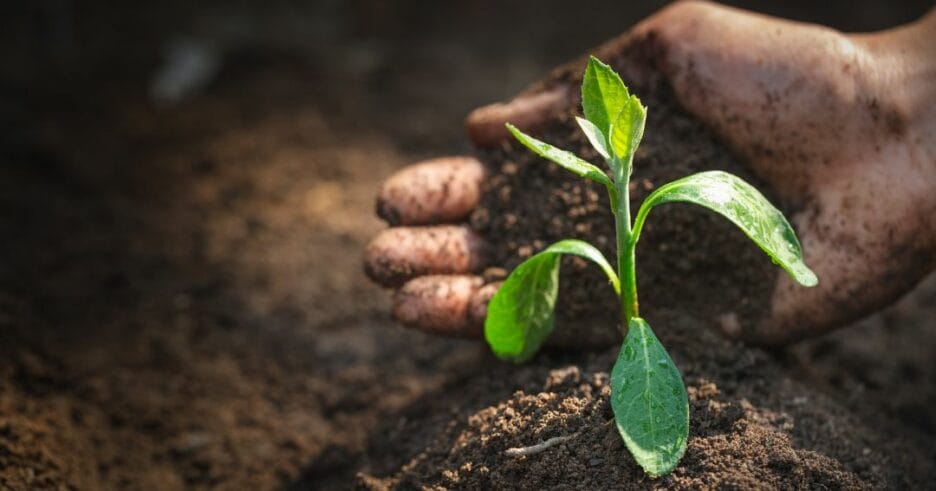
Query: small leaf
pixel 520 315
pixel 603 95
pixel 566 160
pixel 744 206
pixel 594 135
pixel 651 407
pixel 628 128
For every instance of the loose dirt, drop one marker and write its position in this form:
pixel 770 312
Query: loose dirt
pixel 752 426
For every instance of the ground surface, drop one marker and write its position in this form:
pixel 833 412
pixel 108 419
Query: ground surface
pixel 182 305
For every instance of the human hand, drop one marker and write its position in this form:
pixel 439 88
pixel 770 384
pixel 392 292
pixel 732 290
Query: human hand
pixel 841 125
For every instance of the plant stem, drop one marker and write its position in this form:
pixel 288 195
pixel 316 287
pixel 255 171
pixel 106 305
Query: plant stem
pixel 625 243
pixel 628 275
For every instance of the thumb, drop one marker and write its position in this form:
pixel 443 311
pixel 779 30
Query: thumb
pixel 528 111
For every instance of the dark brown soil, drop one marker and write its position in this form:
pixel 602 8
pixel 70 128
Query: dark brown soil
pixel 182 306
pixel 752 426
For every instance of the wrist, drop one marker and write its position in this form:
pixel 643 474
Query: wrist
pixel 904 64
pixel 902 68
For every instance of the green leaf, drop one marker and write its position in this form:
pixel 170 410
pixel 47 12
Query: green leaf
pixel 594 135
pixel 628 128
pixel 744 206
pixel 651 407
pixel 520 315
pixel 603 95
pixel 566 160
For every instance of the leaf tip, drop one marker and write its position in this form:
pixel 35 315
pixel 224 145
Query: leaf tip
pixel 807 277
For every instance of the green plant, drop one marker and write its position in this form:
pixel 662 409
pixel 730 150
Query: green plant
pixel 648 396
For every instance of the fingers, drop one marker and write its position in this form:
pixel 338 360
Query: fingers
pixel 401 253
pixel 443 190
pixel 450 305
pixel 432 262
pixel 485 125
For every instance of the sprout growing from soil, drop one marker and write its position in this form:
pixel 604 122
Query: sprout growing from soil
pixel 648 396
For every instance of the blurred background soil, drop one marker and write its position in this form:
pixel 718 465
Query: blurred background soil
pixel 185 192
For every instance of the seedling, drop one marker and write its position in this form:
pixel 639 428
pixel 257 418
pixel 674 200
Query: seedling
pixel 648 396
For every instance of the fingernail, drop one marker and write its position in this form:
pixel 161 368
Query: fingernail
pixel 399 254
pixel 437 304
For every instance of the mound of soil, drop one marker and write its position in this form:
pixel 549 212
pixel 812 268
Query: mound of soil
pixel 751 426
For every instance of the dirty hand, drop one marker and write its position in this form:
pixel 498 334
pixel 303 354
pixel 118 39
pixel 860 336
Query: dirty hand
pixel 843 126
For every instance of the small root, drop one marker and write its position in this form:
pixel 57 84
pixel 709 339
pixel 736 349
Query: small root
pixel 539 447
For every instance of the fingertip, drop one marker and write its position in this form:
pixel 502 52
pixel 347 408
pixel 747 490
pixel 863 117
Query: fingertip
pixel 487 125
pixel 438 304
pixel 443 190
pixel 384 262
pixel 399 254
pixel 387 209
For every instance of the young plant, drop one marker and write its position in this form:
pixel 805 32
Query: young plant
pixel 648 396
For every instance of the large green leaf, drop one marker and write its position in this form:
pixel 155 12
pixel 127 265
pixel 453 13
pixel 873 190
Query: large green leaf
pixel 520 315
pixel 603 95
pixel 566 160
pixel 651 407
pixel 628 128
pixel 746 207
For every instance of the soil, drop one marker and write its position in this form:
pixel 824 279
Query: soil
pixel 182 304
pixel 753 426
